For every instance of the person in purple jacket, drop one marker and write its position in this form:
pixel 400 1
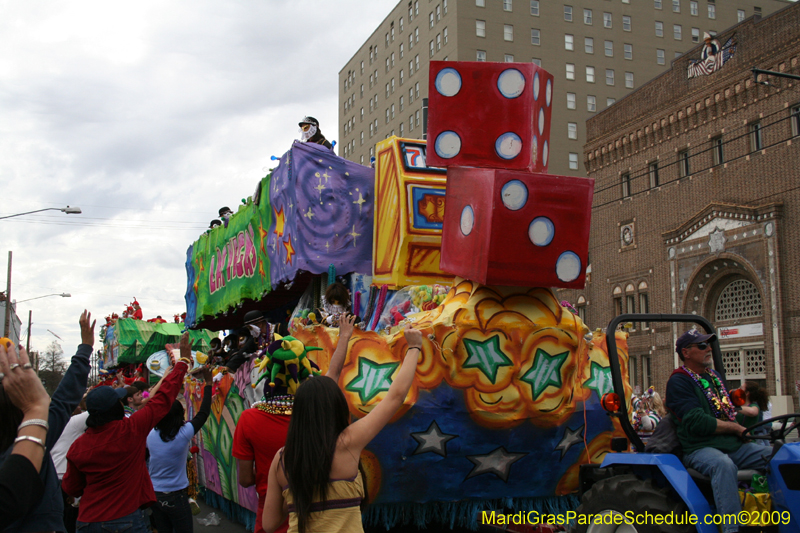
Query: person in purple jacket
pixel 168 444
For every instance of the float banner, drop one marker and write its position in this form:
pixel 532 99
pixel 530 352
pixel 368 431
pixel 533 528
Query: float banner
pixel 229 264
pixel 132 341
pixel 322 214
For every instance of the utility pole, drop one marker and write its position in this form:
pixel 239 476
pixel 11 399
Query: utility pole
pixel 28 342
pixel 9 310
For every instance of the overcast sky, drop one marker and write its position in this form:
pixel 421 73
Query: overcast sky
pixel 149 116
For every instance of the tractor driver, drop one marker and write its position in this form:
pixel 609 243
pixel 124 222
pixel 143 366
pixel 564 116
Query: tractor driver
pixel 708 430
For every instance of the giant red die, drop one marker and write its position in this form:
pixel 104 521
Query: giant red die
pixel 504 227
pixel 493 115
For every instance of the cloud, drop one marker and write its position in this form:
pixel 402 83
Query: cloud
pixel 149 116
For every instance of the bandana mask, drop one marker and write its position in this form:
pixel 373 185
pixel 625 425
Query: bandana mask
pixel 306 134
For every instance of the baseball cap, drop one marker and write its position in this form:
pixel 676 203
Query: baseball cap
pixel 692 337
pixel 309 120
pixel 103 398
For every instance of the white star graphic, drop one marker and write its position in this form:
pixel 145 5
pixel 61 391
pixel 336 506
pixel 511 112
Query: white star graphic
pixel 570 437
pixel 497 462
pixel 432 440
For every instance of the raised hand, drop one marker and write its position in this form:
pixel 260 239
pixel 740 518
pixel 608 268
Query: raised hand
pixel 20 382
pixel 347 325
pixel 413 337
pixel 87 330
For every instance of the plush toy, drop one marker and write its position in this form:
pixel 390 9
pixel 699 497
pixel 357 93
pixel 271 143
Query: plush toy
pixel 286 364
pixel 399 312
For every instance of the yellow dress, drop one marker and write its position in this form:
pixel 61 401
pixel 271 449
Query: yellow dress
pixel 342 511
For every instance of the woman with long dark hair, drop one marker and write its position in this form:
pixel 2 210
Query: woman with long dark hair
pixel 318 467
pixel 168 444
pixel 756 408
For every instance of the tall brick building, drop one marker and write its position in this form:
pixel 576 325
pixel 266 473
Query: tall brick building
pixel 697 208
pixel 598 52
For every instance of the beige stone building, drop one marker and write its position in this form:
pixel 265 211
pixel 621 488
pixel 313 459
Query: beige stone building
pixel 598 50
pixel 697 209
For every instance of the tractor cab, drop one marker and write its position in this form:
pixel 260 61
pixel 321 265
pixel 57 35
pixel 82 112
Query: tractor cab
pixel 648 488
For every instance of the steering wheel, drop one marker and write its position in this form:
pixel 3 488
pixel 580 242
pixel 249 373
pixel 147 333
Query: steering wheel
pixel 774 434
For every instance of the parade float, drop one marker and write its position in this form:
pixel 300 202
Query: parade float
pixel 505 404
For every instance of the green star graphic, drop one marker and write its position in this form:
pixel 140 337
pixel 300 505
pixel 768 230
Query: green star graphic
pixel 486 355
pixel 373 378
pixel 546 371
pixel 600 380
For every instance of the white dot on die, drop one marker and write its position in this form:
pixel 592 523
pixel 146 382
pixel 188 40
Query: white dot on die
pixel 508 145
pixel 544 153
pixel 448 82
pixel 541 121
pixel 568 266
pixel 549 92
pixel 467 220
pixel 514 195
pixel 448 144
pixel 511 83
pixel 536 86
pixel 541 231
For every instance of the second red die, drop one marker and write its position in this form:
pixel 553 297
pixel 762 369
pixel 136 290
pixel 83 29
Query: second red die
pixel 505 227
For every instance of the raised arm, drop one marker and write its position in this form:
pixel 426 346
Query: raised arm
pixel 346 326
pixel 73 385
pixel 205 407
pixel 360 433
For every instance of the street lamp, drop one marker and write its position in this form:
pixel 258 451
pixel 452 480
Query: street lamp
pixel 63 295
pixel 68 210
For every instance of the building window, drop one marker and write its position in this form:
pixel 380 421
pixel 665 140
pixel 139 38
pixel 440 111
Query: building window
pixel 410 41
pixel 740 299
pixel 402 76
pixel 740 15
pixel 573 161
pixel 444 6
pixel 610 101
pixel 416 35
pixel 607 20
pixel 717 152
pixel 392 111
pixel 660 57
pixel 630 303
pixel 535 8
pixel 387 64
pixel 508 32
pixel 591 103
pixel 588 45
pixel 677 32
pixel 401 129
pixel 629 80
pixel 387 90
pixel 444 33
pixel 416 118
pixel 401 50
pixel 626 23
pixel 571 101
pixel 402 103
pixel 683 163
pixel 695 35
pixel 657 4
pixel 712 11
pixel 693 8
pixel 570 71
pixel 659 29
pixel 628 49
pixel 632 372
pixel 431 49
pixel 430 19
pixel 416 90
pixel 411 95
pixel 480 28
pixel 438 42
pixel 644 303
pixel 609 76
pixel 647 377
pixel 387 115
pixel 536 61
pixel 507 5
pixel 411 123
pixel 795 118
pixel 581 308
pixel 370 129
pixel 590 74
pixel 653 172
pixel 416 8
pixel 625 180
pixel 568 13
pixel 569 42
pixel 572 130
pixel 508 58
pixel 757 11
pixel 756 140
pixel 416 62
pixel 618 301
pixel 480 3
pixel 362 137
pixel 587 16
pixel 439 13
pixel 676 6
pixel 411 68
pixel 362 114
pixel 536 36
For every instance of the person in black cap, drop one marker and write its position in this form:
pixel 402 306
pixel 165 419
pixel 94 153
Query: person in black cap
pixel 253 337
pixel 709 428
pixel 310 132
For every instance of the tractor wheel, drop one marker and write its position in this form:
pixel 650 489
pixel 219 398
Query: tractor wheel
pixel 621 498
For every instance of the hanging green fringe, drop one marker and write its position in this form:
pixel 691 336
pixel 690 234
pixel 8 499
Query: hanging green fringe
pixel 464 513
pixel 232 510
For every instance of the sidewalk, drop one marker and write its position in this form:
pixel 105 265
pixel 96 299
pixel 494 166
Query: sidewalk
pixel 225 525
